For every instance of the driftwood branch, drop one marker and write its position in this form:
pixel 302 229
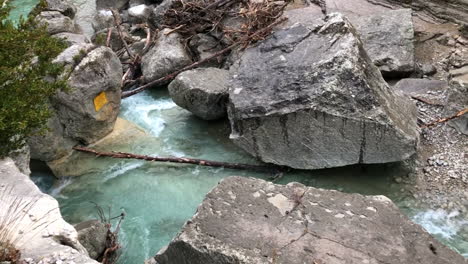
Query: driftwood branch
pixel 208 163
pixel 171 76
pixel 443 120
pixel 117 23
pixel 423 100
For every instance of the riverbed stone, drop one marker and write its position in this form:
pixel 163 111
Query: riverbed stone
pixel 56 22
pixel 88 109
pixel 203 92
pixel 72 38
pixel 92 234
pixel 425 89
pixel 165 57
pixel 107 4
pixel 388 40
pixel 63 6
pixel 457 100
pixel 247 220
pixel 309 97
pixel 38 229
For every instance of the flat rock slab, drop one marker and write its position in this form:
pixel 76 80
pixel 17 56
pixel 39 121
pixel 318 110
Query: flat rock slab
pixel 246 220
pixel 309 97
pixel 429 90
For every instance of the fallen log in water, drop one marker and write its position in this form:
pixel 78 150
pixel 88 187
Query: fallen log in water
pixel 208 163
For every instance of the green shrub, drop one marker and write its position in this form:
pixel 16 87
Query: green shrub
pixel 27 78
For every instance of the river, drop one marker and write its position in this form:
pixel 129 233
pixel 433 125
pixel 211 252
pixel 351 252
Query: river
pixel 159 198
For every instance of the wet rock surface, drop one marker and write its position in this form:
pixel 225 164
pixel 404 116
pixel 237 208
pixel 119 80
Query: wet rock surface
pixel 167 56
pixel 203 92
pixel 327 109
pixel 39 231
pixel 92 235
pixel 246 220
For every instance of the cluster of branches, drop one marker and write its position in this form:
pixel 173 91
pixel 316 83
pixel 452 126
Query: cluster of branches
pixel 111 253
pixel 255 21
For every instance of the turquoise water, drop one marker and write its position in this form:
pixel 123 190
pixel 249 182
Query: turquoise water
pixel 158 198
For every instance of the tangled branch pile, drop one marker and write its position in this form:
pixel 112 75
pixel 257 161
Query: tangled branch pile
pixel 230 20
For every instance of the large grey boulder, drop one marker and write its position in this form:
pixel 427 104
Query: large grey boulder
pixel 56 22
pixel 246 220
pixel 388 40
pixel 37 227
pixel 203 92
pixel 309 97
pixel 89 108
pixel 92 234
pixel 424 89
pixel 165 57
pixel 62 6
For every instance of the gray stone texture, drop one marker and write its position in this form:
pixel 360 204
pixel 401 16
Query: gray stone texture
pixel 388 40
pixel 203 92
pixel 92 235
pixel 107 4
pixel 56 22
pixel 72 38
pixel 98 72
pixel 457 100
pixel 38 228
pixel 426 89
pixel 165 57
pixel 309 97
pixel 62 6
pixel 246 220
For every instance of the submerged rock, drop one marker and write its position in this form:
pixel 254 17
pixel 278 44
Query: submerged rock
pixel 92 235
pixel 203 92
pixel 309 97
pixel 388 40
pixel 37 228
pixel 246 220
pixel 167 56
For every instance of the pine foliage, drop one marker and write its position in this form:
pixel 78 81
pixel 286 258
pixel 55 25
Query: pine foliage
pixel 27 77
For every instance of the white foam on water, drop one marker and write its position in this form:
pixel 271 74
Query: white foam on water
pixel 440 222
pixel 120 169
pixel 55 192
pixel 144 110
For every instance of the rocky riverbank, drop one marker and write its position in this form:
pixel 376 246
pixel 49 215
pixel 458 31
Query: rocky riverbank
pixel 335 85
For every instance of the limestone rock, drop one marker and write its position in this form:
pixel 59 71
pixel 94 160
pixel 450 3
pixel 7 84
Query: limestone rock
pixel 165 57
pixel 106 4
pixel 205 46
pixel 22 157
pixel 124 134
pixel 388 40
pixel 72 38
pixel 309 97
pixel 159 11
pixel 457 100
pixel 103 20
pixel 39 229
pixel 52 144
pixel 56 22
pixel 89 109
pixel 423 88
pixel 247 220
pixel 92 235
pixel 452 10
pixel 62 6
pixel 203 92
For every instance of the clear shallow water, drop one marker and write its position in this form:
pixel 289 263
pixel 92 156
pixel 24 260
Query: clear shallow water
pixel 159 198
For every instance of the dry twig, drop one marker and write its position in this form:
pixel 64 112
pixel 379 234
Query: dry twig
pixel 443 120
